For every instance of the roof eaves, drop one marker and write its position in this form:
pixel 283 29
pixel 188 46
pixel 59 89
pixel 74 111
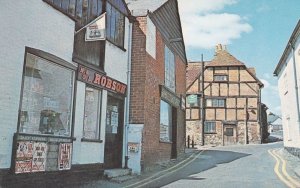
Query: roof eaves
pixel 287 49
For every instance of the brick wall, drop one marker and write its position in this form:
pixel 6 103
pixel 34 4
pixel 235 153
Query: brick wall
pixel 146 76
pixel 138 76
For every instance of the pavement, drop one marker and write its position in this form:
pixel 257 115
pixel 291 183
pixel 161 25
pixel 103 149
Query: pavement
pixel 292 161
pixel 138 180
pixel 289 169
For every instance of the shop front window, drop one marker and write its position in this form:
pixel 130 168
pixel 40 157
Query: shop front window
pixel 91 113
pixel 47 98
pixel 165 122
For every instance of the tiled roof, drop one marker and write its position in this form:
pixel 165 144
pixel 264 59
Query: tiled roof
pixel 193 71
pixel 141 7
pixel 224 58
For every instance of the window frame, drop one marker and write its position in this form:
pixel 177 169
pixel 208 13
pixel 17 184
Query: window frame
pixel 215 103
pixel 98 139
pixel 108 25
pixel 220 76
pixel 50 58
pixel 170 119
pixel 210 123
pixel 167 71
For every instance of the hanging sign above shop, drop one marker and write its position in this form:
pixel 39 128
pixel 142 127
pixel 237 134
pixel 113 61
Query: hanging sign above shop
pixel 98 79
pixel 96 29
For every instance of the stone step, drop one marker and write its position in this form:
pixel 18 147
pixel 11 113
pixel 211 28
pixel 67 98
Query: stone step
pixel 118 172
pixel 122 179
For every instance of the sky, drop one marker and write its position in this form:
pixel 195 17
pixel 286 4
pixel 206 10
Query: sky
pixel 255 31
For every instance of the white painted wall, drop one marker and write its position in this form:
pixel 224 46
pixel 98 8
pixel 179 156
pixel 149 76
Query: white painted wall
pixel 87 152
pixel 116 58
pixel 151 38
pixel 35 24
pixel 290 122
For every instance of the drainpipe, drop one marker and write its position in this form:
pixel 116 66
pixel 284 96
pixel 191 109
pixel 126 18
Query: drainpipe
pixel 260 110
pixel 296 81
pixel 128 93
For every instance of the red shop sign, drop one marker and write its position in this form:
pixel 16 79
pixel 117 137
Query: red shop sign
pixel 100 80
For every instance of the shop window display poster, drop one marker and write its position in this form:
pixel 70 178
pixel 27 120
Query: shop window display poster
pixel 24 156
pixel 30 157
pixel 39 157
pixel 64 158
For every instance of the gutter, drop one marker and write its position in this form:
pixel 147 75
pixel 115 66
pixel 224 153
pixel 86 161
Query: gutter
pixel 296 81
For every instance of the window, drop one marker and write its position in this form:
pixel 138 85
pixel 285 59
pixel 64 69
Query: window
pixel 220 78
pixel 229 131
pixel 151 38
pixel 165 122
pixel 47 98
pixel 285 82
pixel 83 10
pixel 215 102
pixel 115 25
pixel 210 127
pixel 91 122
pixel 169 69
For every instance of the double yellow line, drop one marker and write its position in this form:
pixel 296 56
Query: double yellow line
pixel 166 172
pixel 282 173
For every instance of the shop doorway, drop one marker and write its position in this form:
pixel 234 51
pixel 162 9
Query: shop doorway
pixel 114 132
pixel 174 133
pixel 229 135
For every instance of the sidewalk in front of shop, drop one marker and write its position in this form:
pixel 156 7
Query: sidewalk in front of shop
pixel 155 172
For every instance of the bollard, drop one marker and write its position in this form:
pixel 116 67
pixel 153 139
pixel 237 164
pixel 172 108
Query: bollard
pixel 188 140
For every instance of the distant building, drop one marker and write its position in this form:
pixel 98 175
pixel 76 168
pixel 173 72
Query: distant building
pixel 157 81
pixel 227 101
pixel 288 73
pixel 274 122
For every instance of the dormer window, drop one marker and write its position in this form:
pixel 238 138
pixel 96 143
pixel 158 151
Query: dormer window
pixel 220 78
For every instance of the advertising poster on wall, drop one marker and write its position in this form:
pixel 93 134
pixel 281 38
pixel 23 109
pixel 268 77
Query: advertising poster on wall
pixel 39 157
pixel 24 157
pixel 65 156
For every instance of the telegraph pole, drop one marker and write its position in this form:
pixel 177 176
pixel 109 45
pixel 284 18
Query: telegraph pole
pixel 203 99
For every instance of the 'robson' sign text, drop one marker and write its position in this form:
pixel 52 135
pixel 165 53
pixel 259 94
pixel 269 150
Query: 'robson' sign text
pixel 97 79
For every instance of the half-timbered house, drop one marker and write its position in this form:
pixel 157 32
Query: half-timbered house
pixel 223 101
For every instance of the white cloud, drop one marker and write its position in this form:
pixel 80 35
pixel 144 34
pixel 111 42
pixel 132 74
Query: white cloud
pixel 270 94
pixel 263 8
pixel 267 75
pixel 203 6
pixel 266 83
pixel 203 27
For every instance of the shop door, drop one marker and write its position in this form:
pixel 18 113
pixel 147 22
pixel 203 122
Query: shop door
pixel 114 133
pixel 229 135
pixel 174 133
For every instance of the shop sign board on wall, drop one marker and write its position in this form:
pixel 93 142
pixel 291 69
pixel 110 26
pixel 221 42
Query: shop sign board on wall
pixel 99 79
pixel 65 156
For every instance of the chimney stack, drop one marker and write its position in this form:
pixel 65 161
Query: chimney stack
pixel 220 48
